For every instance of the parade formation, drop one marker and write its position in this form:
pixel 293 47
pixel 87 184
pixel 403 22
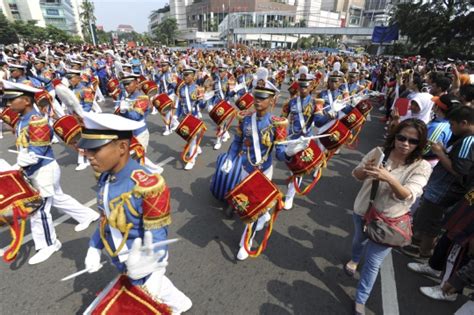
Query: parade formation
pixel 98 105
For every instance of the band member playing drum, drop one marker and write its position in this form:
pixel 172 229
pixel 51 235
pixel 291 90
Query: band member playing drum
pixel 257 134
pixel 134 204
pixel 34 136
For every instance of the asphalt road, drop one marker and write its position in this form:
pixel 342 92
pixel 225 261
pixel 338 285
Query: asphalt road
pixel 299 273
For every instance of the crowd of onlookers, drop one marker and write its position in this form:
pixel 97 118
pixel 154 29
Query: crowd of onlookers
pixel 429 173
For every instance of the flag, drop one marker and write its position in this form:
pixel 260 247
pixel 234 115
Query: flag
pixel 385 34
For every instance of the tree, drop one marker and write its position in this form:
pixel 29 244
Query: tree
pixel 166 32
pixel 7 32
pixel 87 18
pixel 436 28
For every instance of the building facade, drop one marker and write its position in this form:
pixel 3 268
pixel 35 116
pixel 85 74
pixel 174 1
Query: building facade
pixel 158 16
pixel 63 14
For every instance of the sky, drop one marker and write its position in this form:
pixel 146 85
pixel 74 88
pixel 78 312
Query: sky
pixel 111 13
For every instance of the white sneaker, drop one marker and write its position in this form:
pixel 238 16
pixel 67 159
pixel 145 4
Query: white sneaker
pixel 288 203
pixel 54 140
pixel 44 253
pixel 154 111
pixel 242 254
pixel 424 269
pixel 382 108
pixel 217 146
pixel 82 166
pixel 167 132
pixel 189 166
pixel 226 136
pixel 199 150
pixel 262 220
pixel 436 293
pixel 185 306
pixel 84 225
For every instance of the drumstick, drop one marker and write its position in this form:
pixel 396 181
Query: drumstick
pixel 302 139
pixel 38 156
pixel 153 246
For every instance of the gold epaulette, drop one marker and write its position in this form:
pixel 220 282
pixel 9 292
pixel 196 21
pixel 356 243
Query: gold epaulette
pixel 279 121
pixel 147 184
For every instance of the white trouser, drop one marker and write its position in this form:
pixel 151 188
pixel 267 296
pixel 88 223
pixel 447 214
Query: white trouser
pixel 1 128
pixel 192 147
pixel 144 138
pixel 265 217
pixel 46 180
pixel 159 285
pixel 168 118
pixel 291 192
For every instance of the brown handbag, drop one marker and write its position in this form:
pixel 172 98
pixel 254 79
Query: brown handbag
pixel 393 232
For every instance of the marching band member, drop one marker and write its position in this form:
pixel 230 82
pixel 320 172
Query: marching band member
pixel 301 112
pixel 34 137
pixel 85 95
pixel 136 106
pixel 190 101
pixel 223 88
pixel 257 134
pixel 166 82
pixel 134 205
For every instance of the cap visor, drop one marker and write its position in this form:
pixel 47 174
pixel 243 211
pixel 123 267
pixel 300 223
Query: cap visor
pixel 91 143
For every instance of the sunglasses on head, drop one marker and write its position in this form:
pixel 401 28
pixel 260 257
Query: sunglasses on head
pixel 402 138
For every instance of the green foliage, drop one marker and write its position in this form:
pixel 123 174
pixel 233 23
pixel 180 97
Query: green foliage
pixel 87 17
pixel 7 32
pixel 437 28
pixel 166 32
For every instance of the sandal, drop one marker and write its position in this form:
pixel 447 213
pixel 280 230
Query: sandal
pixel 349 270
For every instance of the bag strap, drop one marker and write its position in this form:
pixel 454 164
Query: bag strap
pixel 375 183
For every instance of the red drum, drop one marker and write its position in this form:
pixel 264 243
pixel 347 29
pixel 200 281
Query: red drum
pixel 245 102
pixel 43 98
pixel 112 85
pixel 189 128
pixel 339 135
pixel 18 199
pixel 294 87
pixel 222 112
pixel 364 107
pixel 253 197
pixel 68 129
pixel 305 162
pixel 10 117
pixel 121 297
pixel 137 151
pixel 163 103
pixel 354 119
pixel 150 88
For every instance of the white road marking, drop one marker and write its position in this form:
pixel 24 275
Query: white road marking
pixel 56 222
pixel 166 161
pixel 389 287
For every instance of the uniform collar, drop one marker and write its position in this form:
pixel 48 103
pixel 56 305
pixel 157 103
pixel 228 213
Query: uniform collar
pixel 28 115
pixel 125 172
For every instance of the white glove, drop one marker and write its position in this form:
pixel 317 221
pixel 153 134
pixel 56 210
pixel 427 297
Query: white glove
pixel 294 147
pixel 92 260
pixel 24 159
pixel 143 261
pixel 124 106
pixel 227 166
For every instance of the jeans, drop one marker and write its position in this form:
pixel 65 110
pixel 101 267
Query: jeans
pixel 374 256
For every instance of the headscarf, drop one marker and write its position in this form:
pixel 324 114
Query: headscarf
pixel 425 103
